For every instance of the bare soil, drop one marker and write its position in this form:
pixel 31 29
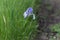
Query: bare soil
pixel 47 17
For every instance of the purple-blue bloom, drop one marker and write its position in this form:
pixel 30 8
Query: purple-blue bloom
pixel 28 12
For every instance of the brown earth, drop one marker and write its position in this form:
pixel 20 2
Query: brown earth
pixel 47 17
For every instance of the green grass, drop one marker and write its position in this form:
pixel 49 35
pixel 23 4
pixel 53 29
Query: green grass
pixel 56 27
pixel 13 26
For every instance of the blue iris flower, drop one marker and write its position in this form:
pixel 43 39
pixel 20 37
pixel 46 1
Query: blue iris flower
pixel 29 12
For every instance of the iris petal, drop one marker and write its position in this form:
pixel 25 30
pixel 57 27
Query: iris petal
pixel 29 12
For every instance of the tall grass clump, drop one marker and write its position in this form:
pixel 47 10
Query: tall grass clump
pixel 13 26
